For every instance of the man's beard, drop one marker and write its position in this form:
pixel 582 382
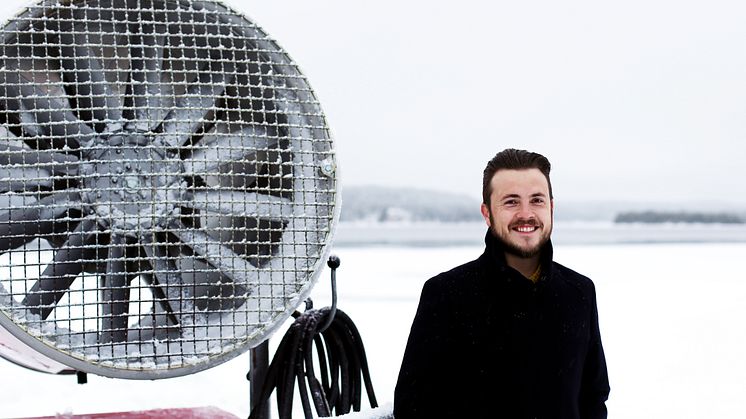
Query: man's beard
pixel 513 249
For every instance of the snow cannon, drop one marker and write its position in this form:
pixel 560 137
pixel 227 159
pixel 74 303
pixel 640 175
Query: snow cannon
pixel 168 187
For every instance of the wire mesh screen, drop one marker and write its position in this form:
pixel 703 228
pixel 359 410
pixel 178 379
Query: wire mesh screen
pixel 167 184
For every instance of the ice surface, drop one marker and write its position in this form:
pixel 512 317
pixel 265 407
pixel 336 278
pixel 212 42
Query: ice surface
pixel 383 412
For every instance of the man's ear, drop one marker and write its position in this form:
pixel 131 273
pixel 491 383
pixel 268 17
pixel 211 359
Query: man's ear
pixel 551 207
pixel 486 214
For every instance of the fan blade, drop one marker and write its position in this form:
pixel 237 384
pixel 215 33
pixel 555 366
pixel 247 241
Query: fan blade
pixel 162 306
pixel 24 169
pixel 21 225
pixel 157 324
pixel 148 91
pixel 232 265
pixel 62 271
pixel 174 298
pixel 7 138
pixel 191 108
pixel 85 71
pixel 42 107
pixel 213 291
pixel 219 146
pixel 18 179
pixel 115 293
pixel 48 160
pixel 240 204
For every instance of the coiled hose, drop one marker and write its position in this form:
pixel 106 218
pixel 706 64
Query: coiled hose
pixel 342 364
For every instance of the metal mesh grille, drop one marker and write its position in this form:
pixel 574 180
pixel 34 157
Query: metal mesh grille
pixel 167 184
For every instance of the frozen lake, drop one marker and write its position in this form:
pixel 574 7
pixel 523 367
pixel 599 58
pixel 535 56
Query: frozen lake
pixel 671 316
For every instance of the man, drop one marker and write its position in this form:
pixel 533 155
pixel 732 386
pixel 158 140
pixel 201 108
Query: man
pixel 512 334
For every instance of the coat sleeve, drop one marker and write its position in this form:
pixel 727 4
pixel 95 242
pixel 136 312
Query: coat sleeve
pixel 594 390
pixel 421 389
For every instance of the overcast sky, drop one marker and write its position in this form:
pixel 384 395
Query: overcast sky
pixel 635 100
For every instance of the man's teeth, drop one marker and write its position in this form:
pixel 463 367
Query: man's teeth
pixel 526 229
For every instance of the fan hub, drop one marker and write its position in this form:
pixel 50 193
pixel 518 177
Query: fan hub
pixel 131 186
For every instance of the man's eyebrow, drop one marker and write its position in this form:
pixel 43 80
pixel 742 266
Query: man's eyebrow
pixel 513 195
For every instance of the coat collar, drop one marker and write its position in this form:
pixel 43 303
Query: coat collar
pixel 494 255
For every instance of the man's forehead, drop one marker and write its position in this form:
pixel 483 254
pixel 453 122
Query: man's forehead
pixel 523 181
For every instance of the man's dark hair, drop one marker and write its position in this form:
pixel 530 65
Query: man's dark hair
pixel 512 159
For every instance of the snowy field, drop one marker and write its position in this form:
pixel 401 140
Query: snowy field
pixel 671 317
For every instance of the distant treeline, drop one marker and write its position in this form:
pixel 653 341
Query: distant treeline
pixel 678 217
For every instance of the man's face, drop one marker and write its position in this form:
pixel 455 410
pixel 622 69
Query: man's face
pixel 520 211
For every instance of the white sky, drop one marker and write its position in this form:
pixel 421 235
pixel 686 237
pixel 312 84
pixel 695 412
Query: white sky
pixel 635 100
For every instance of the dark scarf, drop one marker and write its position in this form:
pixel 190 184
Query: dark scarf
pixel 495 252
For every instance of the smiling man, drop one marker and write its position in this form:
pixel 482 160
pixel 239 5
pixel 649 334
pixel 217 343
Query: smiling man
pixel 512 334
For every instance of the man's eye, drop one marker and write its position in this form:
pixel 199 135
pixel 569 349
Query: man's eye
pixel 511 203
pixel 537 201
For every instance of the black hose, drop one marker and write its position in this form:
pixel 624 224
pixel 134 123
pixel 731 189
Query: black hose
pixel 343 367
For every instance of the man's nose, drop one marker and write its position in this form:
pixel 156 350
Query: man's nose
pixel 525 212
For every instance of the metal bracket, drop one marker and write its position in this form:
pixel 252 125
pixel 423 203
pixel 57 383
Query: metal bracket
pixel 257 376
pixel 82 377
pixel 332 263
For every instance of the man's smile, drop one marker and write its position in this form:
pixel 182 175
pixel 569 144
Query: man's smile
pixel 525 227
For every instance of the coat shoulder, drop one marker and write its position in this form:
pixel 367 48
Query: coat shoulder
pixel 460 276
pixel 456 286
pixel 573 278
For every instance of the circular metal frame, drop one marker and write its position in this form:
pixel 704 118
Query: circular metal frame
pixel 168 185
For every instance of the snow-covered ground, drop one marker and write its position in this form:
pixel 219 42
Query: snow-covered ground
pixel 671 317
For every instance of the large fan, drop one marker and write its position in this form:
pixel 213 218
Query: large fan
pixel 167 184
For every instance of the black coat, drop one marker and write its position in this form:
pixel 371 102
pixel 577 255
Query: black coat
pixel 488 343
